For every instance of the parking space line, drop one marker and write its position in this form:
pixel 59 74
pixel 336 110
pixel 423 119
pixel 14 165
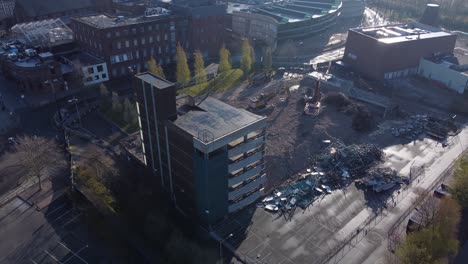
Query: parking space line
pixel 56 209
pixel 67 212
pixel 52 256
pixel 75 254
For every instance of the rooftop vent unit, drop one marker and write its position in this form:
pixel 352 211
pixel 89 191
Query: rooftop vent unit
pixel 12 56
pixel 119 19
pixel 30 52
pixel 155 11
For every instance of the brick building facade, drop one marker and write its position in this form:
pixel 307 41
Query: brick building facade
pixel 127 44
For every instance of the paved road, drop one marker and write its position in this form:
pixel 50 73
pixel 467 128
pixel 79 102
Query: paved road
pixel 373 248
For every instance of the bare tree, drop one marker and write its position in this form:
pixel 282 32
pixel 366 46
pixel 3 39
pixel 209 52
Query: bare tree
pixel 99 163
pixel 39 156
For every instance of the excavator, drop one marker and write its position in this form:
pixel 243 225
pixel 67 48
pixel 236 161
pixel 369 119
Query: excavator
pixel 312 100
pixel 261 100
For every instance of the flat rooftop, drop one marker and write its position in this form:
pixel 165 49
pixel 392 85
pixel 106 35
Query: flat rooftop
pixel 133 145
pixel 154 80
pixel 401 32
pixel 103 21
pixel 213 119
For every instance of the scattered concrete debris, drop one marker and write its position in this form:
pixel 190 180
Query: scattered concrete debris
pixel 432 126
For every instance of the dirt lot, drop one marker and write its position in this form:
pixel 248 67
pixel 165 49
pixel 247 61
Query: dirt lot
pixel 294 138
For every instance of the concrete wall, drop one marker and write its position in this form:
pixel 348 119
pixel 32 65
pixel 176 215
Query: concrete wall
pixel 211 185
pixel 452 79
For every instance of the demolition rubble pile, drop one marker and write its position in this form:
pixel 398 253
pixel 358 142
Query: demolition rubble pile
pixel 412 128
pixel 338 165
pixel 419 124
pixel 349 161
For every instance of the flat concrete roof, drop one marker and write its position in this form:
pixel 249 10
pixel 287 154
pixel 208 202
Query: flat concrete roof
pixel 104 21
pixel 154 80
pixel 395 33
pixel 213 119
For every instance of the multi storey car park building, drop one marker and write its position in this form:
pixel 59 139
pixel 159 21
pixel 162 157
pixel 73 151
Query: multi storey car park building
pixel 209 156
pixel 393 51
pixel 282 20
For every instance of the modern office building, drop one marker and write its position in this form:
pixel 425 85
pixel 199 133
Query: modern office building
pixel 207 155
pixel 394 51
pixel 272 21
pixel 127 43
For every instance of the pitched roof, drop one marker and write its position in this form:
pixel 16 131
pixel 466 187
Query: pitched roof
pixel 44 7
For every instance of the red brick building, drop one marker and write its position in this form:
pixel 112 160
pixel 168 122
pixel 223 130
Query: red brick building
pixel 126 44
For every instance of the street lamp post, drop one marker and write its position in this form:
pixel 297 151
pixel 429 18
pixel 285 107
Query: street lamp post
pixel 221 246
pixel 75 101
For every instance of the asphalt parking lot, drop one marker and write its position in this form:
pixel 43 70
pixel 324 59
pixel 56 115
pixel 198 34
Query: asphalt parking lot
pixel 55 234
pixel 311 234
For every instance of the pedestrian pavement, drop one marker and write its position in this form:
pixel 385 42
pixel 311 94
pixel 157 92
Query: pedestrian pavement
pixel 5 198
pixel 372 248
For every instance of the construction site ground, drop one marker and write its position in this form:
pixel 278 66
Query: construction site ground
pixel 294 138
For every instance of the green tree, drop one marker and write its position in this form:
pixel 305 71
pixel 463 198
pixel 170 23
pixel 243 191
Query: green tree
pixel 183 71
pixel 267 59
pixel 224 60
pixel 437 241
pixel 155 68
pixel 199 68
pixel 246 60
pixel 460 183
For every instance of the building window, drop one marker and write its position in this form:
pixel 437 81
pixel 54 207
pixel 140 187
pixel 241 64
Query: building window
pixel 159 50
pixel 165 36
pixel 152 51
pixel 117 33
pixel 144 53
pixel 108 35
pixel 90 70
pixel 135 42
pixel 150 27
pixel 157 38
pixel 134 30
pixel 137 54
pixel 119 46
pixel 142 29
pixel 100 68
pixel 151 39
pixel 127 43
pixel 104 76
pixel 143 41
pixel 114 72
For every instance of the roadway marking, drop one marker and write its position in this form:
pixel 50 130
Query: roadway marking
pixel 74 254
